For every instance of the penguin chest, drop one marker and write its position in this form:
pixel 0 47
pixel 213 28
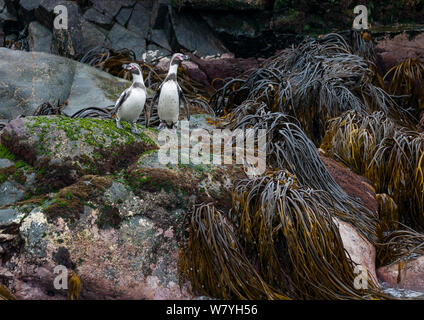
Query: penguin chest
pixel 169 102
pixel 132 107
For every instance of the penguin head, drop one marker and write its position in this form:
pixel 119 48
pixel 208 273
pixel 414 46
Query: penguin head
pixel 177 58
pixel 134 68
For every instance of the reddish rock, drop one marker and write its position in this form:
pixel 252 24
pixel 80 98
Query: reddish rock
pixel 206 70
pixel 393 51
pixel 360 250
pixel 353 184
pixel 411 276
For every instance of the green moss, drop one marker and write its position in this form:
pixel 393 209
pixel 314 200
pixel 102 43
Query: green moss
pixel 5 153
pixel 90 131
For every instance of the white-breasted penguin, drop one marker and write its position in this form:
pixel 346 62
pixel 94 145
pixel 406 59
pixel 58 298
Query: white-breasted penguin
pixel 170 95
pixel 132 101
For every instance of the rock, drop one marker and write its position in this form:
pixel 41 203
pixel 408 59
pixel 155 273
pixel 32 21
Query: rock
pixel 191 32
pixel 29 79
pixel 27 9
pixel 4 163
pixel 39 37
pixel 111 7
pixel 159 14
pixel 120 38
pixel 64 148
pixel 140 20
pixel 360 250
pixel 123 16
pixel 10 217
pixel 121 236
pixel 392 51
pixel 223 67
pixel 10 192
pixel 224 5
pixel 94 16
pixel 159 38
pixel 411 276
pixel 45 12
pixel 354 185
pixel 93 36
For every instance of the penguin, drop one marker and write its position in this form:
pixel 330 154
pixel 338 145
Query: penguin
pixel 171 96
pixel 132 101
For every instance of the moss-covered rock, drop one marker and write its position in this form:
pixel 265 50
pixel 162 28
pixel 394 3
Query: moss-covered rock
pixel 63 149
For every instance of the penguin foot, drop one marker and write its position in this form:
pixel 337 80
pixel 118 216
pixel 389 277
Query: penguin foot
pixel 135 131
pixel 119 125
pixel 161 126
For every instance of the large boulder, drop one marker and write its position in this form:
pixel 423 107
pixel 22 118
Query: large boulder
pixel 65 149
pixel 29 79
pixel 119 232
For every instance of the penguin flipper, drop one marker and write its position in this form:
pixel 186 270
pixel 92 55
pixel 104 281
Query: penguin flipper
pixel 120 100
pixel 155 98
pixel 184 101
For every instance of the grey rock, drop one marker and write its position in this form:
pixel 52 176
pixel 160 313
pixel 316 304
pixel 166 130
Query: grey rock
pixel 9 217
pixel 39 37
pixel 159 38
pixel 93 36
pixel 93 88
pixel 6 16
pixel 140 20
pixel 5 163
pixel 31 78
pixel 159 14
pixel 94 16
pixel 123 16
pixel 2 5
pixel 28 79
pixel 192 33
pixel 111 7
pixel 124 38
pixel 10 193
pixel 29 5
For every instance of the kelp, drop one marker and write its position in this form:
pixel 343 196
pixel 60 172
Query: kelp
pixel 216 263
pixel 278 234
pixel 288 148
pixel 407 80
pixel 389 155
pixel 5 294
pixel 400 245
pixel 316 81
